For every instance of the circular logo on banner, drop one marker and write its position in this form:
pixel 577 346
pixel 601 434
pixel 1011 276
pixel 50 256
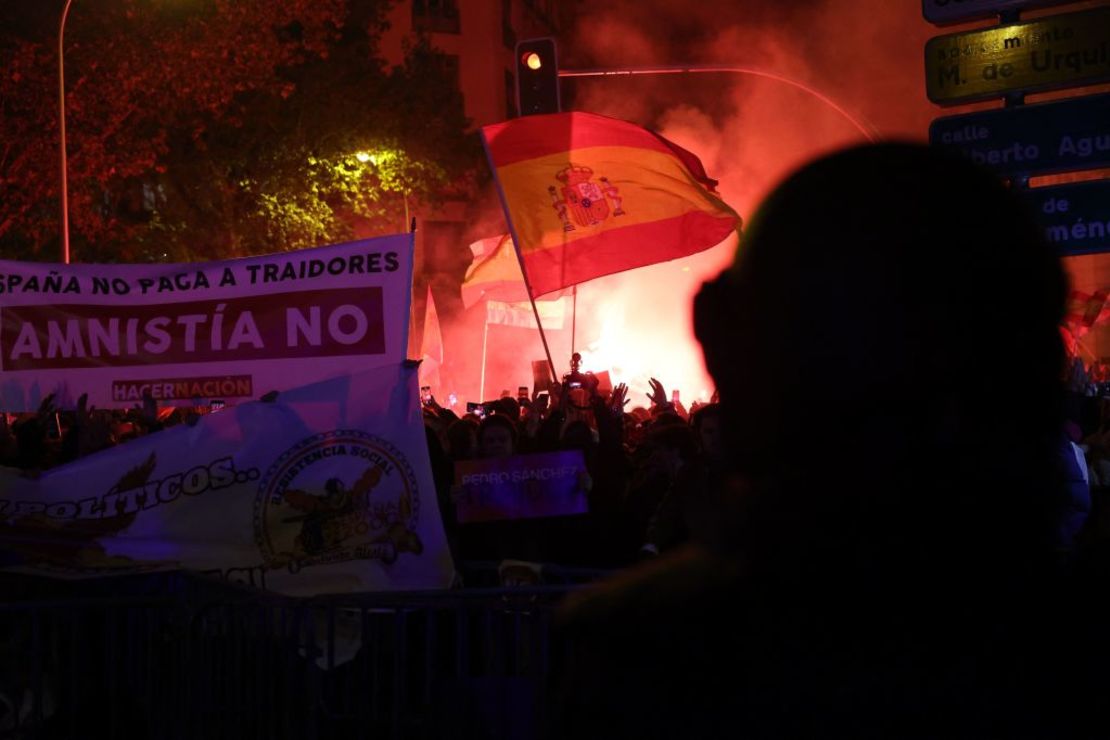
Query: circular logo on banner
pixel 335 496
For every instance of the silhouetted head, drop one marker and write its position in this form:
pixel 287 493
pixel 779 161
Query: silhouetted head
pixel 670 445
pixel 462 439
pixel 496 436
pixel 507 406
pixel 706 422
pixel 856 343
pixel 578 436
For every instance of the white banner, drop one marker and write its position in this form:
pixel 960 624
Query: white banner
pixel 192 333
pixel 326 489
pixel 552 313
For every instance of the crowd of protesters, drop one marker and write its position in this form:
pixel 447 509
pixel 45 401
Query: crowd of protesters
pixel 642 481
pixel 653 471
pixel 51 436
pixel 644 463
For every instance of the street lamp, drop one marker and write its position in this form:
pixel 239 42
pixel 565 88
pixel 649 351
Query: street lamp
pixel 363 157
pixel 62 132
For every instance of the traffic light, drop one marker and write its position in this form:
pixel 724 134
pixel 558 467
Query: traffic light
pixel 537 77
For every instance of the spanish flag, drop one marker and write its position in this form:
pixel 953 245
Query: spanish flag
pixel 494 273
pixel 587 195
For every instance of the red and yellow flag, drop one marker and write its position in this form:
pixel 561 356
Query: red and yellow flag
pixel 494 273
pixel 588 195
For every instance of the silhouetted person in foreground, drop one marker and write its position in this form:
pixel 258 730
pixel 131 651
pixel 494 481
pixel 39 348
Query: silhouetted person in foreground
pixel 885 562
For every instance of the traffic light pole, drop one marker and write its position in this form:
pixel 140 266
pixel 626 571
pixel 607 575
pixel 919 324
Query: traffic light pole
pixel 672 69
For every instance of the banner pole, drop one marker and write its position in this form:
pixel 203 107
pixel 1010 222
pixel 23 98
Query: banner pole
pixel 410 325
pixel 482 376
pixel 573 317
pixel 519 257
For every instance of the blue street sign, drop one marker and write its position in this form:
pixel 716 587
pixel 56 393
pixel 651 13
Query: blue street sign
pixel 950 11
pixel 1075 217
pixel 1072 134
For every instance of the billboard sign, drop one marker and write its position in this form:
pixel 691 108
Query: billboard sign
pixel 1072 134
pixel 1044 54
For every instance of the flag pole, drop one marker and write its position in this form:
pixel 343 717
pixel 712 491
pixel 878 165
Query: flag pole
pixel 519 257
pixel 532 300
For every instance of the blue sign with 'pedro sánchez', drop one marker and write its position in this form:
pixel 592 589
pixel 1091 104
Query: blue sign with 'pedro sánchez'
pixel 1051 137
pixel 1075 217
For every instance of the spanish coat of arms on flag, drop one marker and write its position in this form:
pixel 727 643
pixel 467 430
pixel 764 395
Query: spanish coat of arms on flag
pixel 587 196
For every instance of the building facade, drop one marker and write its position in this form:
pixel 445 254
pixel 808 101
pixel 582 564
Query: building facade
pixel 478 38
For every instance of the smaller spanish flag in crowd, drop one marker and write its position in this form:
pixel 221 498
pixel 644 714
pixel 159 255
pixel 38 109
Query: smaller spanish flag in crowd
pixel 587 196
pixel 494 273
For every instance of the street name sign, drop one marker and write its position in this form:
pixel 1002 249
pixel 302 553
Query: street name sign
pixel 950 11
pixel 1048 53
pixel 1075 217
pixel 1072 134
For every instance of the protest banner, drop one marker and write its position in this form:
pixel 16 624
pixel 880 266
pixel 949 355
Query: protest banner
pixel 191 333
pixel 542 373
pixel 604 383
pixel 327 489
pixel 552 313
pixel 520 487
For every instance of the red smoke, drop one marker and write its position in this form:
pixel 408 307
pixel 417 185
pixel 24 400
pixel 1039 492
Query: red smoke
pixel 749 132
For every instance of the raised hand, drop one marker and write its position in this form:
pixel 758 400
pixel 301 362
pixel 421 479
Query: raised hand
pixel 558 396
pixel 95 433
pixel 83 410
pixel 618 399
pixel 47 408
pixel 658 394
pixel 150 408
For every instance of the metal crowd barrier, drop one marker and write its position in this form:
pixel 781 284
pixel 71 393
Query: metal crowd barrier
pixel 180 656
